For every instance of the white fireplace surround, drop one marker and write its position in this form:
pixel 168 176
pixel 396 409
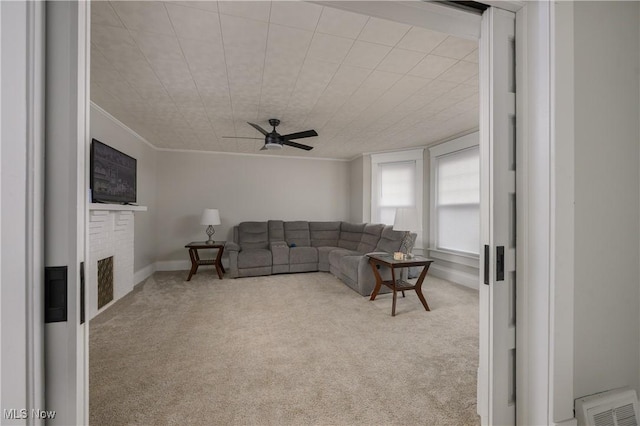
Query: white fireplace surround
pixel 111 233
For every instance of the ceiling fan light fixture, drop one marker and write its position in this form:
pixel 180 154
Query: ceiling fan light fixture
pixel 274 140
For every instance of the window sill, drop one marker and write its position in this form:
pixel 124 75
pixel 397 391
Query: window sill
pixel 472 260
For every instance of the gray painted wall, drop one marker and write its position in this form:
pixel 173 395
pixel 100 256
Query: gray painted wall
pixel 242 188
pixel 108 131
pixel 607 187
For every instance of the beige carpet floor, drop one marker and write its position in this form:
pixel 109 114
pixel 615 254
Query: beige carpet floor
pixel 300 349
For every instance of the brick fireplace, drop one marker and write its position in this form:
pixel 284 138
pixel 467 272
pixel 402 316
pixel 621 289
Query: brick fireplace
pixel 111 235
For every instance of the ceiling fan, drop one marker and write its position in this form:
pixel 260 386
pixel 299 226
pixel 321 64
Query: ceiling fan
pixel 274 140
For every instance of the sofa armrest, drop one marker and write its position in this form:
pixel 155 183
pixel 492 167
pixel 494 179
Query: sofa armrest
pixel 365 258
pixel 231 246
pixel 232 250
pixel 279 252
pixel 376 252
pixel 366 278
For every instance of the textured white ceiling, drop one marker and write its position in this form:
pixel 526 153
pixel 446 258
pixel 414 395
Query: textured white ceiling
pixel 183 74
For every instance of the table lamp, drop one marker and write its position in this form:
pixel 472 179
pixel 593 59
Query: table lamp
pixel 210 217
pixel 406 220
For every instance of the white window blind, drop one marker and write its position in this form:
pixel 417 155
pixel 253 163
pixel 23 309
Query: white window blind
pixel 396 188
pixel 458 201
pixel 397 181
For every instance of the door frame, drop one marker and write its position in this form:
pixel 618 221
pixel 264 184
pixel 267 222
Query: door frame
pixel 67 132
pixel 22 199
pixel 545 285
pixel 545 332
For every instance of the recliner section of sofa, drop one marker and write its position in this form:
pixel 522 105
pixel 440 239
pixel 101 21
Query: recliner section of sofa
pixel 255 259
pixel 278 247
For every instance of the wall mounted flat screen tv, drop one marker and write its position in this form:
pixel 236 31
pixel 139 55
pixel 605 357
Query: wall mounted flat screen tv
pixel 113 175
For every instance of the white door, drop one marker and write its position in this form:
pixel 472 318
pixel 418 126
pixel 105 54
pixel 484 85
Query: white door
pixel 496 375
pixel 66 350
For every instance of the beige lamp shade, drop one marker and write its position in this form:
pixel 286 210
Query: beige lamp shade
pixel 406 220
pixel 210 217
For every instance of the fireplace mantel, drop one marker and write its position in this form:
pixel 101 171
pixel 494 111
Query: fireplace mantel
pixel 117 207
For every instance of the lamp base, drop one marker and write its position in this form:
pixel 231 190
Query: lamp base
pixel 407 245
pixel 210 231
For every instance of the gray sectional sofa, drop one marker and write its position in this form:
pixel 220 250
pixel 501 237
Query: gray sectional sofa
pixel 278 247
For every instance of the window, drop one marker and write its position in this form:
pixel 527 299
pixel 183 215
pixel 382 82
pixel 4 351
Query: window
pixel 455 184
pixel 396 182
pixel 396 189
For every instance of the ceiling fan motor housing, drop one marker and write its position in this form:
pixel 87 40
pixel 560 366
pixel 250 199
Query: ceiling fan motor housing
pixel 272 140
pixel 274 122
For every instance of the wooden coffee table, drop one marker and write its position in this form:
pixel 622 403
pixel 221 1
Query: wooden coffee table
pixel 195 257
pixel 394 284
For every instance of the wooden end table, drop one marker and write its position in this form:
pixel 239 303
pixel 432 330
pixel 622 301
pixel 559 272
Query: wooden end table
pixel 196 261
pixel 394 284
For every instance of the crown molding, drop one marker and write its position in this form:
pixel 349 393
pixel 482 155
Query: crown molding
pixel 425 14
pixel 99 109
pixel 247 154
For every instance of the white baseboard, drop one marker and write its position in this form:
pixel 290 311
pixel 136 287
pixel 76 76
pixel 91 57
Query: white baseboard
pixel 181 265
pixel 144 273
pixel 458 277
pixel 173 265
pixel 570 422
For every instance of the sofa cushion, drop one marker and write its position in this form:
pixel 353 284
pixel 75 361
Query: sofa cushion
pixel 254 258
pixel 297 233
pixel 323 257
pixel 370 237
pixel 350 235
pixel 336 255
pixel 390 240
pixel 253 235
pixel 303 255
pixel 276 230
pixel 324 234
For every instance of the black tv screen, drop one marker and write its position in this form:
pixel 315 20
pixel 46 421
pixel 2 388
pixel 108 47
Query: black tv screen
pixel 113 175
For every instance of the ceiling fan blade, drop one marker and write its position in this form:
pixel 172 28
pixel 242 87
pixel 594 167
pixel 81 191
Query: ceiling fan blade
pixel 300 135
pixel 239 137
pixel 297 145
pixel 258 128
